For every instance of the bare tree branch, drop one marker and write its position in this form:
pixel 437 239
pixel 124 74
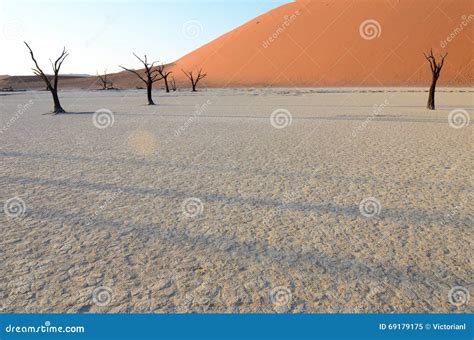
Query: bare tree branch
pixel 56 66
pixel 106 84
pixel 164 75
pixel 151 75
pixel 135 72
pixel 435 72
pixel 194 81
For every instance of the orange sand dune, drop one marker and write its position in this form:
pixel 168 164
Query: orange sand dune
pixel 332 43
pixel 319 43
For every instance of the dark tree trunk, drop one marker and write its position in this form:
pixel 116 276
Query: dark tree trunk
pixel 192 79
pixel 435 71
pixel 148 92
pixel 151 76
pixel 166 85
pixel 173 84
pixel 53 88
pixel 431 96
pixel 57 105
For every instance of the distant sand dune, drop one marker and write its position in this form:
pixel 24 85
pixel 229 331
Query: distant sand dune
pixel 327 43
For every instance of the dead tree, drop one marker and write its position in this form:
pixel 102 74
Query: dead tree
pixel 164 75
pixel 435 71
pixel 173 84
pixel 53 88
pixel 151 76
pixel 106 84
pixel 194 80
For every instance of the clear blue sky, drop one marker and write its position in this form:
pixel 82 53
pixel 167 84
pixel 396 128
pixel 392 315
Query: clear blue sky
pixel 103 33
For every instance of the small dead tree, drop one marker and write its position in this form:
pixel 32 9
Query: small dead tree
pixel 52 87
pixel 164 75
pixel 194 79
pixel 173 84
pixel 106 84
pixel 151 76
pixel 435 71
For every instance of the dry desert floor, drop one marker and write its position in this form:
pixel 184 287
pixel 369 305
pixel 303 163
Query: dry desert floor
pixel 243 200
